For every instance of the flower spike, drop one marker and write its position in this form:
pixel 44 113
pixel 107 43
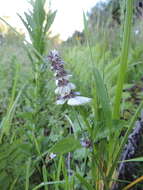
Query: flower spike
pixel 65 89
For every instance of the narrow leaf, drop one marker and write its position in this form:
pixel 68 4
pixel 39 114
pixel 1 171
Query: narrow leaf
pixel 84 182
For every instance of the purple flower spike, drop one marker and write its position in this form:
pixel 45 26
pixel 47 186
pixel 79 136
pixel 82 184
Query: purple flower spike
pixel 64 88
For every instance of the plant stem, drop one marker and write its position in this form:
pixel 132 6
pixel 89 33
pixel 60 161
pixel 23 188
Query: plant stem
pixel 123 59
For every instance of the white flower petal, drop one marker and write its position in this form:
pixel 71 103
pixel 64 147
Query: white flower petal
pixel 52 155
pixel 64 90
pixel 136 31
pixel 60 101
pixel 77 93
pixel 57 82
pixel 78 100
pixel 71 85
pixel 66 77
pixel 55 53
pixel 57 90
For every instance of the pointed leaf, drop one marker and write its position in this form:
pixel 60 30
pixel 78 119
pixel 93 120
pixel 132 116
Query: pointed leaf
pixel 66 145
pixel 50 20
pixel 84 182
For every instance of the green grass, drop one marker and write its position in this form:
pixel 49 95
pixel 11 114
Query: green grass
pixel 33 126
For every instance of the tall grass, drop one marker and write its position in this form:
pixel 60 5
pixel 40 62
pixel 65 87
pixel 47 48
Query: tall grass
pixel 123 59
pixel 86 139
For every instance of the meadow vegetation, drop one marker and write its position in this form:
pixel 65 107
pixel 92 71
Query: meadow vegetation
pixel 63 147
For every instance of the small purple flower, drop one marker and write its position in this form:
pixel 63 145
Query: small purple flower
pixel 64 88
pixel 86 143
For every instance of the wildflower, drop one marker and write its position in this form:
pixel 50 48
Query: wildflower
pixel 136 31
pixel 86 143
pixel 65 89
pixel 52 156
pixel 78 100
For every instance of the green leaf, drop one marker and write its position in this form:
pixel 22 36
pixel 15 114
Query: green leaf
pixel 66 145
pixel 48 183
pixel 25 24
pixel 139 159
pixel 101 91
pixel 6 121
pixel 27 174
pixel 12 186
pixel 49 21
pixel 45 177
pixel 84 182
pixel 124 59
pixel 103 97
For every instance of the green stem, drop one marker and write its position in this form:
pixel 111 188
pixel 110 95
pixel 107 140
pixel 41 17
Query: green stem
pixel 124 58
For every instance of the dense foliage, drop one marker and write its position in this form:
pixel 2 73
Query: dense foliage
pixel 62 147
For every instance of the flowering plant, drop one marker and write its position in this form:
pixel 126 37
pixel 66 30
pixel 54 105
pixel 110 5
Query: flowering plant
pixel 65 89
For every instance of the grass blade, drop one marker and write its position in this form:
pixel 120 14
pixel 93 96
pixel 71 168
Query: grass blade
pixel 27 174
pixel 124 59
